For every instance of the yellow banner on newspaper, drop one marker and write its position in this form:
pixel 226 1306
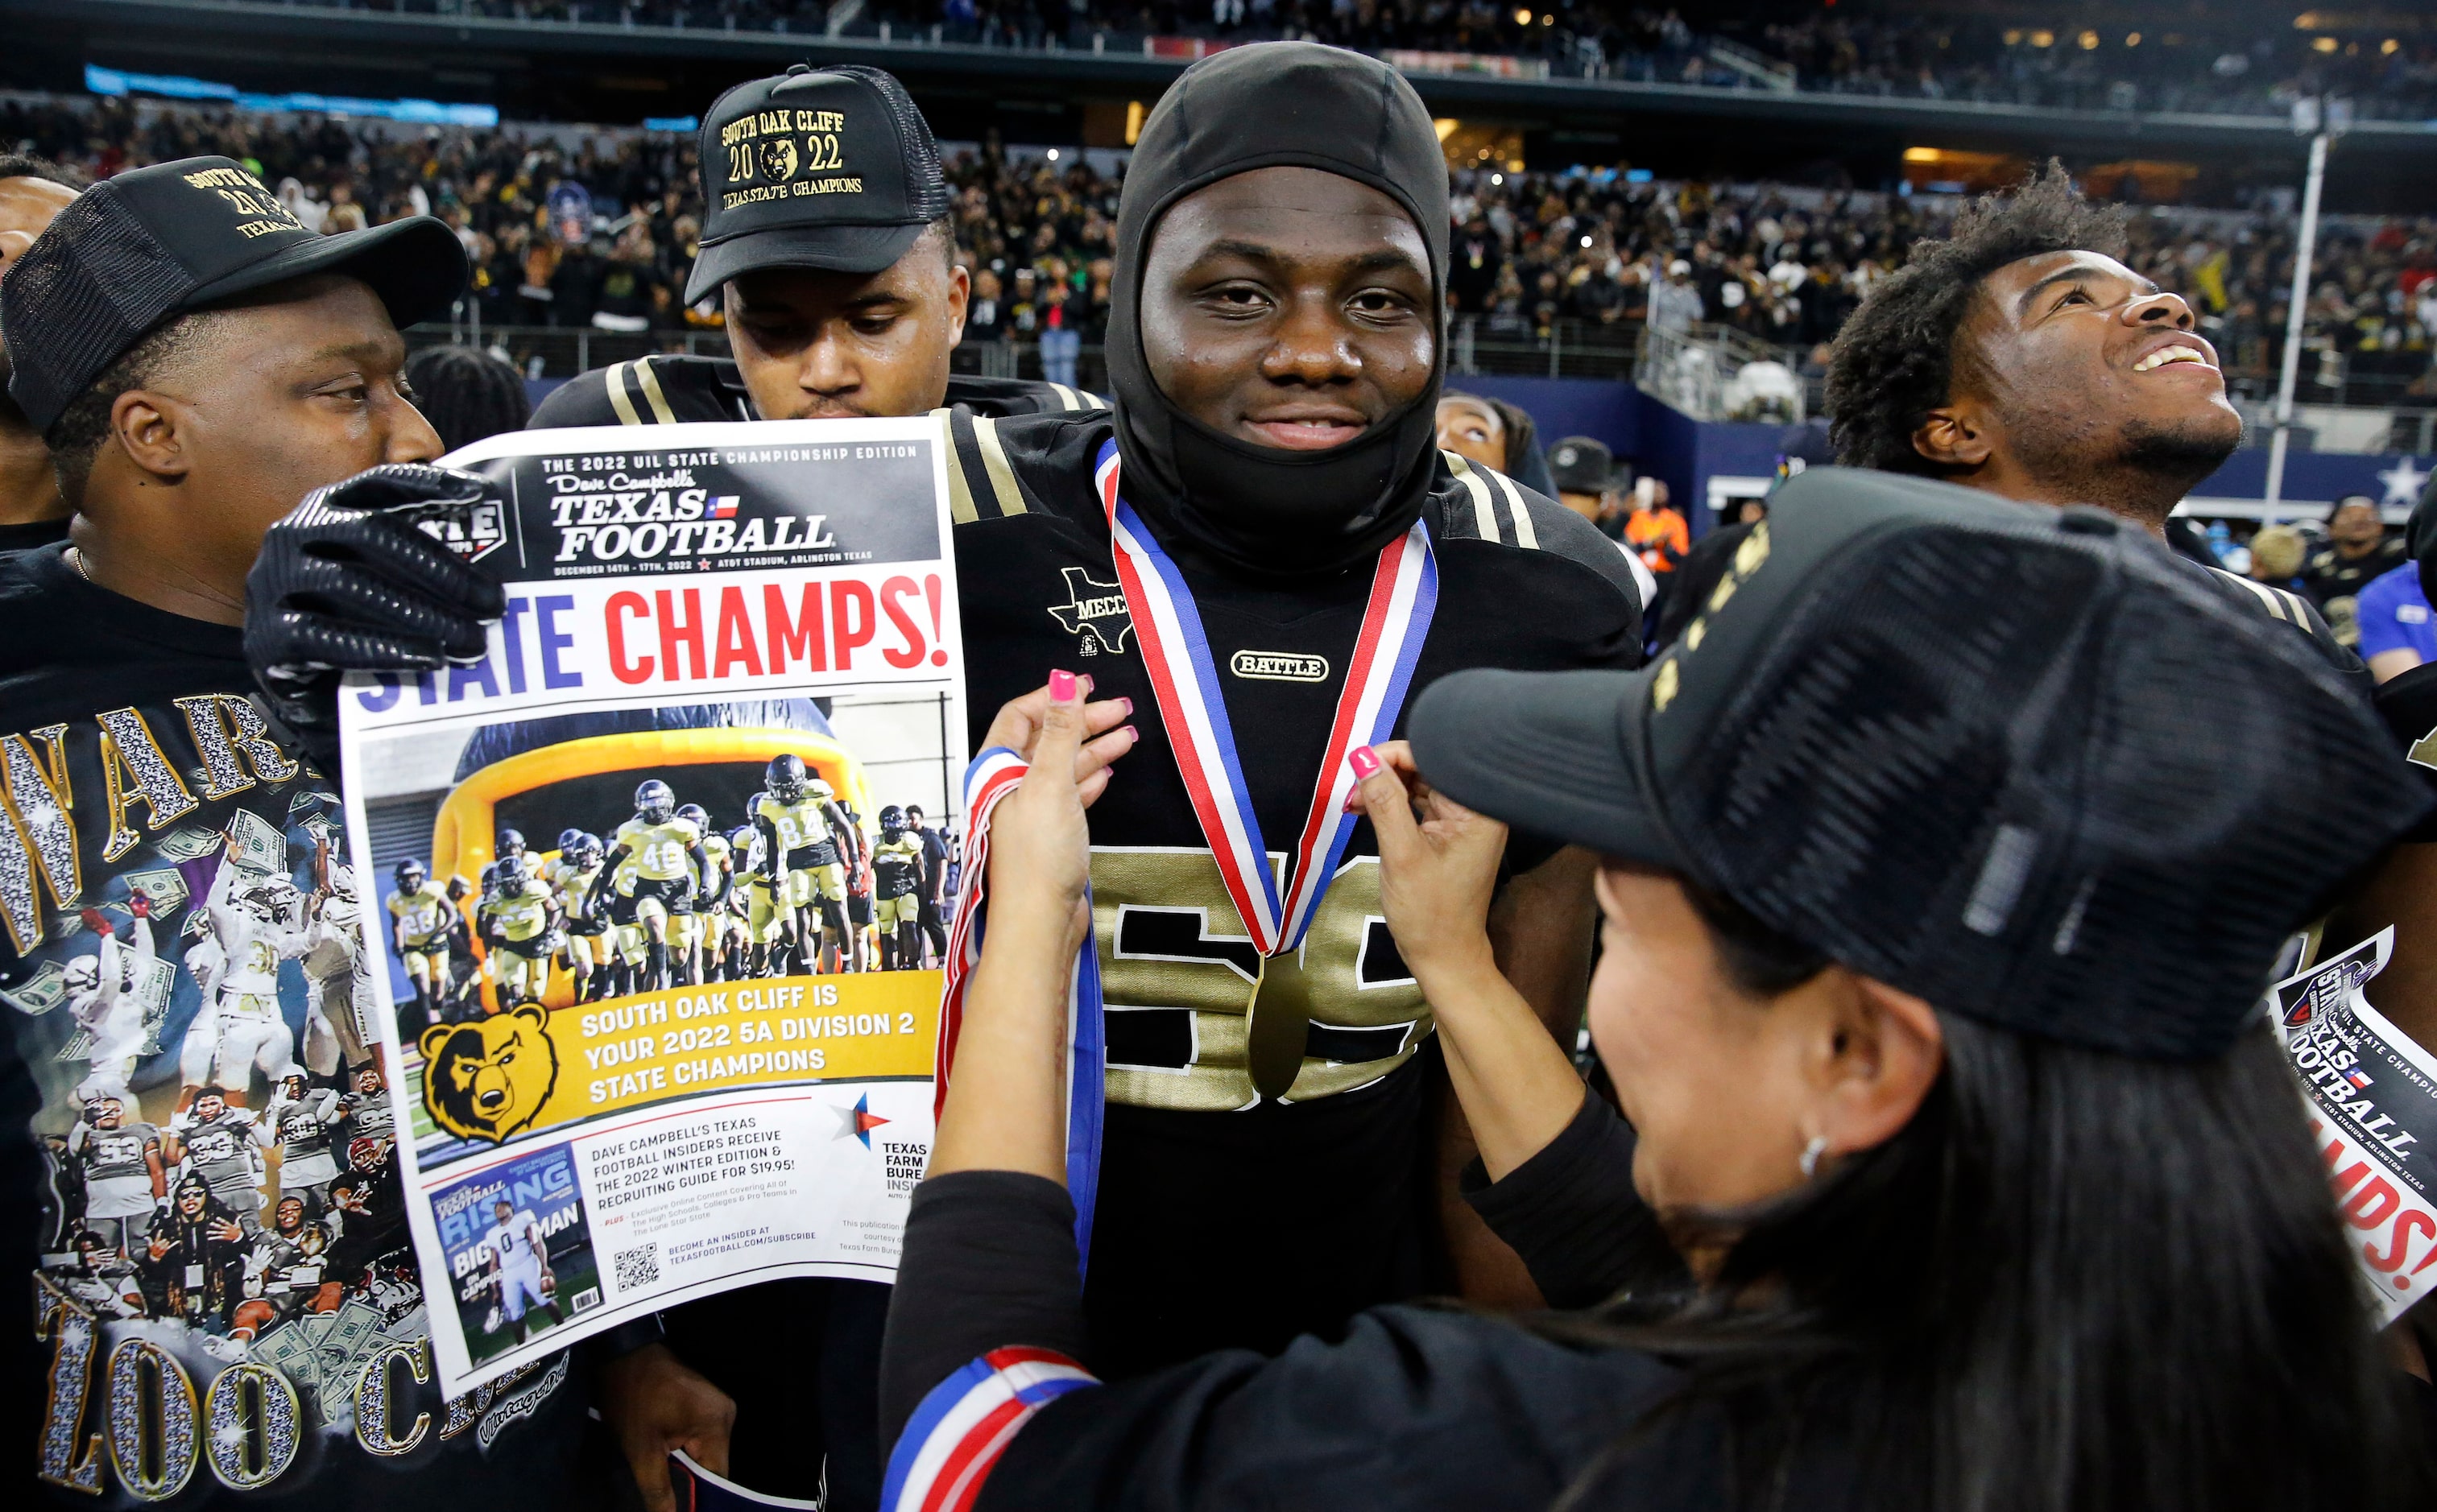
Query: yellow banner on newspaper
pixel 529 1070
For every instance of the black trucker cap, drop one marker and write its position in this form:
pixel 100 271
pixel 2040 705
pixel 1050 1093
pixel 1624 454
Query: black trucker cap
pixel 826 167
pixel 2008 757
pixel 133 250
pixel 1580 466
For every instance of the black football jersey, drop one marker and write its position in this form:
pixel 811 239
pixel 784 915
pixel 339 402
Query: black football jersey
pixel 2288 607
pixel 669 391
pixel 2408 704
pixel 1225 1220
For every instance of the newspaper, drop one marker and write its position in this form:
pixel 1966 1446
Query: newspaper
pixel 2373 1107
pixel 658 1057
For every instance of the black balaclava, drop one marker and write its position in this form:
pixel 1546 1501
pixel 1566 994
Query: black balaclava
pixel 1265 510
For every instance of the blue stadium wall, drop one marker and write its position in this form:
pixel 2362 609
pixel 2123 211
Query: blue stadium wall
pixel 1685 453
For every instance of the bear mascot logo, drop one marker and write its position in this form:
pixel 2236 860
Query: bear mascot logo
pixel 488 1078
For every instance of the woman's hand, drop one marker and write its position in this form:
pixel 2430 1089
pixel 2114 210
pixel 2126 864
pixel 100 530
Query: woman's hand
pixel 1040 847
pixel 1019 724
pixel 1437 867
pixel 1437 873
pixel 1006 1106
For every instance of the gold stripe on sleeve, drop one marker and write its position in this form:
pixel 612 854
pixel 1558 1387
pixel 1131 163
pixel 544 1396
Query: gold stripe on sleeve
pixel 614 381
pixel 649 382
pixel 1002 476
pixel 1484 517
pixel 960 497
pixel 1525 536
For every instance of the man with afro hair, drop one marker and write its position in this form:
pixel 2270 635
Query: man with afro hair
pixel 2020 356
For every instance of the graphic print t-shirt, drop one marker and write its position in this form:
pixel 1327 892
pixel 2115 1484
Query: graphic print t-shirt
pixel 150 1357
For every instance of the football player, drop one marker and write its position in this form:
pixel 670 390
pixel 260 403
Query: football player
pixel 124 1171
pixel 662 847
pixel 283 1269
pixel 858 888
pixel 297 1124
pixel 897 891
pixel 520 1273
pixel 2020 356
pixel 257 920
pixel 214 1140
pixel 1276 345
pixel 631 946
pixel 705 928
pixel 365 1110
pixel 101 998
pixel 336 969
pixel 834 305
pixel 421 916
pixel 519 922
pixel 806 842
pixel 587 945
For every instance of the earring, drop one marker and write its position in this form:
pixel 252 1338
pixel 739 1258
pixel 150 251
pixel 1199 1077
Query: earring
pixel 1811 1153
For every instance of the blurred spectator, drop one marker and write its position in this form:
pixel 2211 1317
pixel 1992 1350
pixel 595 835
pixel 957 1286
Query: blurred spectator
pixel 1655 529
pixel 986 312
pixel 1584 470
pixel 1676 304
pixel 632 296
pixel 1059 344
pixel 2359 549
pixel 2393 613
pixel 1494 434
pixel 468 394
pixel 2277 556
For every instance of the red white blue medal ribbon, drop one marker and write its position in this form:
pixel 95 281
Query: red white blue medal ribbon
pixel 955 1436
pixel 1404 594
pixel 992 775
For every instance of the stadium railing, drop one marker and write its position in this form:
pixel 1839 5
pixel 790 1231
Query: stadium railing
pixel 1571 349
pixel 1702 373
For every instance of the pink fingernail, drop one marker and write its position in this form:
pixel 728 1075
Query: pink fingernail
pixel 1133 734
pixel 1061 686
pixel 1364 761
pixel 1129 703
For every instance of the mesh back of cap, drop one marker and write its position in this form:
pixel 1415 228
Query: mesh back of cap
pixel 2148 794
pixel 89 289
pixel 926 188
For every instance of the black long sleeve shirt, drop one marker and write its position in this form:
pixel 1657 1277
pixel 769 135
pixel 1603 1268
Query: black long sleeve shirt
pixel 1414 1407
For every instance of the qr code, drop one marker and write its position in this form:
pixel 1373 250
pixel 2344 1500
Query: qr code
pixel 638 1267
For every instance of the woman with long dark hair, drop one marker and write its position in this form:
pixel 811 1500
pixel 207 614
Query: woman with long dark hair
pixel 1947 856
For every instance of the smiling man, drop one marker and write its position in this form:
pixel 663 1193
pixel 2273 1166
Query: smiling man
pixel 1276 355
pixel 1272 1160
pixel 833 257
pixel 195 360
pixel 829 244
pixel 2022 356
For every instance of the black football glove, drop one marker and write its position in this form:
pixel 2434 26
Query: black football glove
pixel 347 583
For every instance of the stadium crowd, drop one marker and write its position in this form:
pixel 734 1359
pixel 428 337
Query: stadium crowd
pixel 1601 255
pixel 2188 64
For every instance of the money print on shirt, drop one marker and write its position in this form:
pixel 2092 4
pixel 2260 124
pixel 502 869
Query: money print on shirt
pixel 225 1297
